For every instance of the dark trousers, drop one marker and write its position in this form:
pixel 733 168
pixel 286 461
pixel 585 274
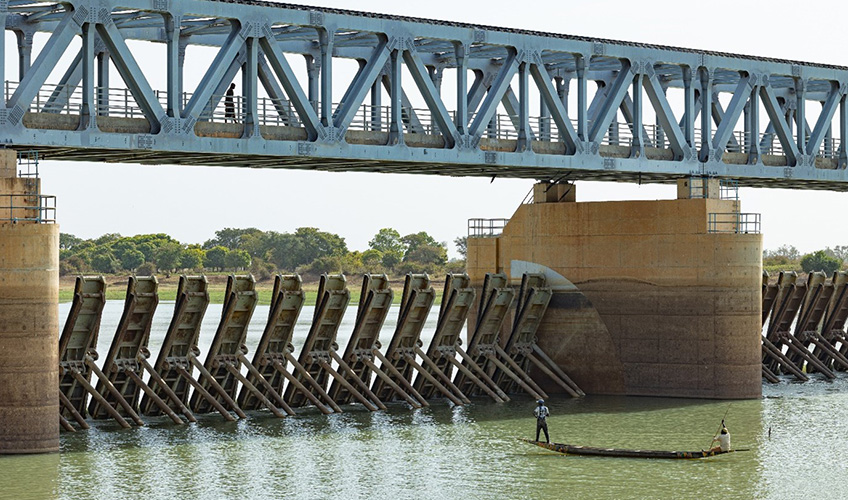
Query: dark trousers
pixel 542 425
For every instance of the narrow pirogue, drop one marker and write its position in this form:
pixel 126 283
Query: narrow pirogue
pixel 570 449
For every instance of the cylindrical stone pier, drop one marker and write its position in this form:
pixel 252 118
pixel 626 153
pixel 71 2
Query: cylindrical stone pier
pixel 29 317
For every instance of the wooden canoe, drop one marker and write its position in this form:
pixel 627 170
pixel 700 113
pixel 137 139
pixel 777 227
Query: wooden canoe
pixel 570 449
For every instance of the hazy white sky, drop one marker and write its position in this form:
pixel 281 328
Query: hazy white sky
pixel 190 203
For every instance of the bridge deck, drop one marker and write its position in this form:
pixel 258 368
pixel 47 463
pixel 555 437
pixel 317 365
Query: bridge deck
pixel 607 110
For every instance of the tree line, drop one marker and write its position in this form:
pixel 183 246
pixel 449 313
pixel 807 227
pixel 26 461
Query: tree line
pixel 307 250
pixel 788 258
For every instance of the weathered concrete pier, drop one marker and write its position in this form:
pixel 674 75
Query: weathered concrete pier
pixel 658 298
pixel 29 318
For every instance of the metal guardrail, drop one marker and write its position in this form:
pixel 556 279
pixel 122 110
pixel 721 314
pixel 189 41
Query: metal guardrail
pixel 733 222
pixel 486 228
pixel 119 102
pixel 16 208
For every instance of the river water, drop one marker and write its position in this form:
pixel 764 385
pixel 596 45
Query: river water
pixel 467 452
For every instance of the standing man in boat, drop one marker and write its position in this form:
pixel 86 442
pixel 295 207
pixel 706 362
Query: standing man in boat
pixel 541 412
pixel 723 439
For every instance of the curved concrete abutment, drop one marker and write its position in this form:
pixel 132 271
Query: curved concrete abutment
pixel 29 318
pixel 667 303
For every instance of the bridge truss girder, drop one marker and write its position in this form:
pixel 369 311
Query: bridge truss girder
pixel 757 105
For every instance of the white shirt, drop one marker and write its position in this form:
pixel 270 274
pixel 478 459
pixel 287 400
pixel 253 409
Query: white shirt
pixel 724 441
pixel 541 412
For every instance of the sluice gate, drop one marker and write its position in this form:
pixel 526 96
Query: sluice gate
pixel 229 383
pixel 122 383
pixel 375 300
pixel 172 374
pixel 804 325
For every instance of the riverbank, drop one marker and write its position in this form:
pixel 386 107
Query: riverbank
pixel 116 288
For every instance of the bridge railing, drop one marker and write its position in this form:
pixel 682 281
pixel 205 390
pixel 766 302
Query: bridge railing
pixel 119 102
pixel 733 222
pixel 37 208
pixel 486 228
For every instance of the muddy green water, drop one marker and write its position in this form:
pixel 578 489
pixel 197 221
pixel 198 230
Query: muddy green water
pixel 447 452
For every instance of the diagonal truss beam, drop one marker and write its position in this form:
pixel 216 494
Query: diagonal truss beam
pixel 216 72
pixel 494 96
pixel 731 116
pixel 831 105
pixel 278 63
pixel 129 70
pixel 555 107
pixel 610 107
pixel 361 85
pixel 45 62
pixel 781 127
pixel 67 85
pixel 431 96
pixel 665 115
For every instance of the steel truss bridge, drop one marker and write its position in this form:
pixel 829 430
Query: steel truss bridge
pixel 602 109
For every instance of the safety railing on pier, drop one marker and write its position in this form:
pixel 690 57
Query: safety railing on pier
pixel 119 102
pixel 37 208
pixel 733 222
pixel 486 228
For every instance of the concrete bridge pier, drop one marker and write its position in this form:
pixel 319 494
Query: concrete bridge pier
pixel 655 298
pixel 29 316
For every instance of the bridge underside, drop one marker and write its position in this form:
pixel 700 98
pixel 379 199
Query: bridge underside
pixel 339 90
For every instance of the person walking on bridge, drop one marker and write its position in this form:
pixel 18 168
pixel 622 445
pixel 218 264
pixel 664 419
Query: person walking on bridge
pixel 229 104
pixel 541 412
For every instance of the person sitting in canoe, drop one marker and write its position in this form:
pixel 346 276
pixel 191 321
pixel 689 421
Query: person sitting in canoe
pixel 542 413
pixel 723 439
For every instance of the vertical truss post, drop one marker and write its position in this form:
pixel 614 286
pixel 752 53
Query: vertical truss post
pixel 376 106
pixel 843 132
pixel 313 73
pixel 706 118
pixel 250 72
pixel 659 131
pixel 562 88
pixel 828 135
pixel 637 149
pixel 462 96
pixel 103 83
pixel 582 99
pixel 801 115
pixel 752 137
pixel 24 52
pixel 326 114
pixel 436 73
pixel 3 15
pixel 689 111
pixel 544 121
pixel 88 113
pixel 174 62
pixel 396 126
pixel 524 136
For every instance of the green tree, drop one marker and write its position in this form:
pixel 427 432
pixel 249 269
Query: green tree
pixel 415 240
pixel 371 259
pixel 237 259
pixel 230 238
pixel 103 261
pixel 216 257
pixel 131 259
pixel 820 261
pixel 461 243
pixel 387 240
pixel 168 256
pixel 68 241
pixel 192 258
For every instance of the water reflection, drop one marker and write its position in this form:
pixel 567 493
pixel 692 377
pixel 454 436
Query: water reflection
pixel 465 452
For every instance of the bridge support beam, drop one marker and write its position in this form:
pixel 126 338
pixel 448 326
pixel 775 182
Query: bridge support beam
pixel 29 319
pixel 649 297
